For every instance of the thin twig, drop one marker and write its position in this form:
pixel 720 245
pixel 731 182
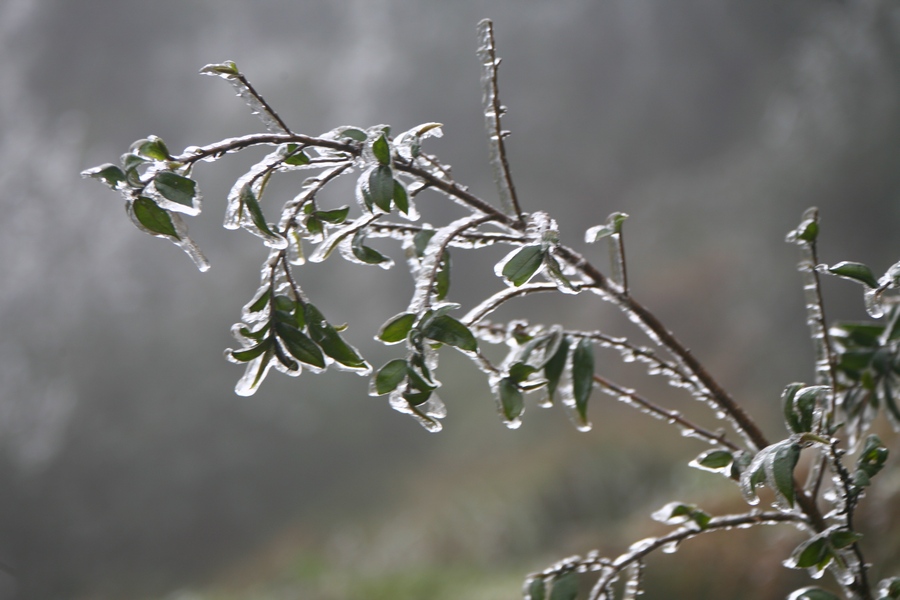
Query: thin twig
pixel 659 412
pixel 492 112
pixel 269 110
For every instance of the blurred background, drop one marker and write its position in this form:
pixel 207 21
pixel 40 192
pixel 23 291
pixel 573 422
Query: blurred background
pixel 128 467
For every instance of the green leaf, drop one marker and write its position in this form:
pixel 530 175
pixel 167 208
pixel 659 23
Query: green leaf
pixel 284 303
pixel 844 537
pixel 401 198
pixel 713 460
pixel 583 376
pixel 261 302
pixel 554 367
pixel 442 277
pixel 152 148
pixel 889 589
pixel 523 264
pixel 783 461
pixel 855 271
pixel 382 150
pixel 808 229
pixel 248 200
pixel 299 345
pixel 313 225
pixel 812 593
pixel 335 217
pixel 254 335
pixel 108 173
pixel 227 68
pixel 564 587
pixel 421 239
pixel 153 217
pixel 447 330
pixel 327 337
pixel 612 226
pixel 813 553
pixel 380 188
pixel 390 376
pixel 248 354
pixel 397 328
pixel 176 188
pixel 364 253
pixel 519 372
pixel 799 404
pixel 354 134
pixel 296 157
pixel 416 398
pixel 537 589
pixel 511 399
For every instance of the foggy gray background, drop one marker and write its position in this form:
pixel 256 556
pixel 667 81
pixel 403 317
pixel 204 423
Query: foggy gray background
pixel 127 465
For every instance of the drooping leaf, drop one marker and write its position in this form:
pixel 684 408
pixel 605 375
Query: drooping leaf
pixel 382 150
pixel 364 253
pixel 421 239
pixel 397 328
pixel 108 173
pixel 154 218
pixel 553 369
pixel 613 225
pixel 296 157
pixel 250 203
pixel 447 330
pixel 300 345
pixel 519 372
pixel 248 354
pixel 354 134
pixel 390 376
pixel 583 376
pixel 401 198
pixel 511 399
pixel 842 538
pixel 261 302
pixel 523 264
pixel 855 271
pixel 380 188
pixel 808 229
pixel 813 553
pixel 327 337
pixel 781 470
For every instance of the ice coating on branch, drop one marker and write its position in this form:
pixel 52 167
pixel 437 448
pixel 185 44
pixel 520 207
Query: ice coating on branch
pixel 492 113
pixel 432 256
pixel 258 106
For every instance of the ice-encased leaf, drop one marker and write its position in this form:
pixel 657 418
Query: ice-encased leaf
pixel 511 399
pixel 153 218
pixel 401 197
pixel 335 217
pixel 447 330
pixel 108 173
pixel 256 223
pixel 678 513
pixel 521 264
pixel 613 225
pixel 151 148
pixel 300 345
pixel 376 187
pixel 382 150
pixel 716 461
pixel 331 343
pixel 409 142
pixel 396 328
pixel 554 367
pixel 774 466
pixel 255 373
pixel 175 192
pixel 808 229
pixel 225 69
pixel 564 587
pixel 889 589
pixel 390 376
pixel 583 376
pixel 854 271
pixel 799 404
pixel 248 354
